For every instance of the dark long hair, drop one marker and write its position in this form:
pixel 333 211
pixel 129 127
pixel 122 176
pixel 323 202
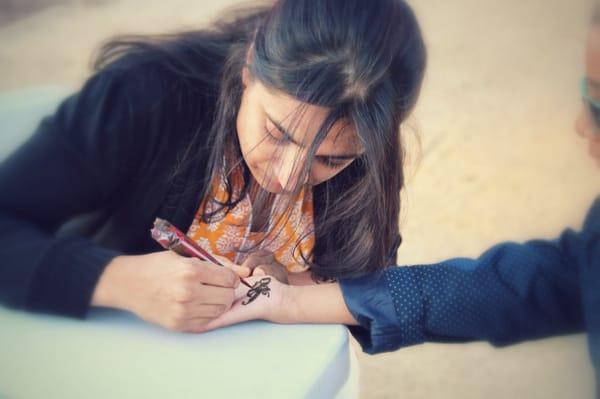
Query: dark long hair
pixel 363 60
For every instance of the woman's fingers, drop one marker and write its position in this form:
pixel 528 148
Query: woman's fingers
pixel 224 261
pixel 251 262
pixel 190 316
pixel 276 270
pixel 219 276
pixel 234 316
pixel 263 263
pixel 255 259
pixel 207 294
pixel 237 314
pixel 239 270
pixel 203 310
pixel 195 325
pixel 241 291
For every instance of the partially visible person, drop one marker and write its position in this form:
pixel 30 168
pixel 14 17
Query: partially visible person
pixel 587 124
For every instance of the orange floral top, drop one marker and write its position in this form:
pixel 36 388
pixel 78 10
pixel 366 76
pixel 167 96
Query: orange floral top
pixel 230 235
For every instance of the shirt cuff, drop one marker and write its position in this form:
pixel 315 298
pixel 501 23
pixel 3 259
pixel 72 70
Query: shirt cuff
pixel 388 307
pixel 66 277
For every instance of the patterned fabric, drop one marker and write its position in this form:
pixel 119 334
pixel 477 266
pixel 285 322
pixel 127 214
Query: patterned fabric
pixel 229 235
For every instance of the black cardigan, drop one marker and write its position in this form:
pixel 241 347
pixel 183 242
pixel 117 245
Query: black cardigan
pixel 88 184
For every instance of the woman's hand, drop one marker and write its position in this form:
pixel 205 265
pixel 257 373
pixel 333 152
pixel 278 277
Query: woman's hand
pixel 263 263
pixel 178 293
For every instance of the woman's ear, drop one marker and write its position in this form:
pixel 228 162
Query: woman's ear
pixel 245 69
pixel 245 77
pixel 249 54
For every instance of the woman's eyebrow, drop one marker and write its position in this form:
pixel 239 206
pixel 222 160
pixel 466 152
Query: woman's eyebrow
pixel 288 137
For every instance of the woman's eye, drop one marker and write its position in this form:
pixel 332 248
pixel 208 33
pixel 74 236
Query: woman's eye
pixel 331 164
pixel 273 138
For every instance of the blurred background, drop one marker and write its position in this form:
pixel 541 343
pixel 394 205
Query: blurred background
pixel 498 158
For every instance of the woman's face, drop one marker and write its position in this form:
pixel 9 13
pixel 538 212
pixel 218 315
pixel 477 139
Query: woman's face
pixel 275 149
pixel 586 124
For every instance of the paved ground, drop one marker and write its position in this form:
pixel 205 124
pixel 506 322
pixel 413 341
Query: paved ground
pixel 499 160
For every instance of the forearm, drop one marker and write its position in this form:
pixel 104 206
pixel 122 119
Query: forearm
pixel 43 273
pixel 319 304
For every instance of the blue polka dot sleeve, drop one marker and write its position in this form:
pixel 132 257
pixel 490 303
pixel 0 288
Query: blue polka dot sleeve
pixel 510 293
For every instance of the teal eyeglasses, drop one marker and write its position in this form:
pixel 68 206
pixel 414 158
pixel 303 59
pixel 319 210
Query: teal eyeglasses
pixel 591 104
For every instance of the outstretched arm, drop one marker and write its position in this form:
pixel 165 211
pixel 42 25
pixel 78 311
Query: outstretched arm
pixel 511 293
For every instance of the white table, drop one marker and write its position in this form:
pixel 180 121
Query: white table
pixel 114 354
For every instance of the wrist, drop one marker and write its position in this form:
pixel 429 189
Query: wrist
pixel 288 310
pixel 321 304
pixel 106 292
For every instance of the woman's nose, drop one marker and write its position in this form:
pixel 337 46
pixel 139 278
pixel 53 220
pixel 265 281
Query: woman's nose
pixel 583 124
pixel 289 170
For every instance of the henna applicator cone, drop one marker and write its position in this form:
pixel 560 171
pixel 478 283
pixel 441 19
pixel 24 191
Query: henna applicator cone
pixel 171 238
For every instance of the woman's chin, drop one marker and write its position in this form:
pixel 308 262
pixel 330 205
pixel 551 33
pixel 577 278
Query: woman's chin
pixel 269 185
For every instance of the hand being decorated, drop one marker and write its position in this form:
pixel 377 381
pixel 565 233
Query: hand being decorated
pixel 268 299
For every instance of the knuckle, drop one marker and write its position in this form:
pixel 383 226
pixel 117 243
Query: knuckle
pixel 255 255
pixel 195 262
pixel 229 297
pixel 229 277
pixel 216 310
pixel 207 271
pixel 178 312
pixel 184 294
pixel 188 272
pixel 268 268
pixel 248 262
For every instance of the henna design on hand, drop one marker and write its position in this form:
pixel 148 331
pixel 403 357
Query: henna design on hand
pixel 260 287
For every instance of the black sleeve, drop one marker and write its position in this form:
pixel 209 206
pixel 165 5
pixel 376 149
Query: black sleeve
pixel 73 163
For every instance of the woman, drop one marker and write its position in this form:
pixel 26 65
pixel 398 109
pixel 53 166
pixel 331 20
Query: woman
pixel 513 292
pixel 272 139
